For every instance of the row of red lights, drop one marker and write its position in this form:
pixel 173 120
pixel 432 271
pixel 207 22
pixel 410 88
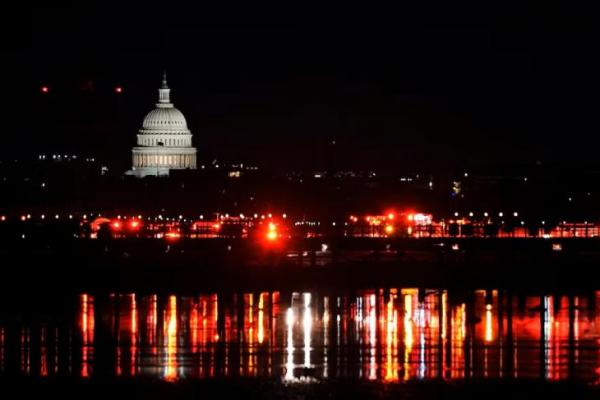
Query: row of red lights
pixel 44 89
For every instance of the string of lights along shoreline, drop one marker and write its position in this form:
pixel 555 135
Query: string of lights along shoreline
pixel 164 142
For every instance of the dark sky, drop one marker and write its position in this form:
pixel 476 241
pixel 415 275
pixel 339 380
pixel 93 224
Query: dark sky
pixel 396 88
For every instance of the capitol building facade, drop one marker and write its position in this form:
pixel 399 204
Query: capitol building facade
pixel 164 142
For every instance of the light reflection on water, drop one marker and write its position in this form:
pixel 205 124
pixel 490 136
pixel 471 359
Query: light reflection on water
pixel 388 335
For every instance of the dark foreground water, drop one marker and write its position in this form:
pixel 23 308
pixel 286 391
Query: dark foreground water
pixel 377 335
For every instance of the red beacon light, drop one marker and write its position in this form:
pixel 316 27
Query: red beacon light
pixel 134 225
pixel 119 89
pixel 271 235
pixel 389 229
pixel 44 89
pixel 272 232
pixel 116 225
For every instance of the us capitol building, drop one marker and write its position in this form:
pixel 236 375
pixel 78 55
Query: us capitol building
pixel 164 142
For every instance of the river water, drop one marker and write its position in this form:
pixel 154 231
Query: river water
pixel 386 335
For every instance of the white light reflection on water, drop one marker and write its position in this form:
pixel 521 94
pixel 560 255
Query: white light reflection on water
pixel 289 365
pixel 376 334
pixel 307 324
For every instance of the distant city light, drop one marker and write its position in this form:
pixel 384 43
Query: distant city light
pixel 556 246
pixel 172 235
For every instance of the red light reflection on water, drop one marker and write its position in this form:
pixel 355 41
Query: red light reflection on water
pixel 379 334
pixel 86 324
pixel 170 335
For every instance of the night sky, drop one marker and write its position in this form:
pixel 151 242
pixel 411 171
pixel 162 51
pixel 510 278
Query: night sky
pixel 395 88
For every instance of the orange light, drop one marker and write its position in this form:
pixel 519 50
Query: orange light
pixel 116 225
pixel 391 216
pixel 272 226
pixel 410 217
pixel 389 229
pixel 271 235
pixel 172 235
pixel 217 226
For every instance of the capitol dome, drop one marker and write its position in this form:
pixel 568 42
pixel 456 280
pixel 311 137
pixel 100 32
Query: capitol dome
pixel 164 142
pixel 164 119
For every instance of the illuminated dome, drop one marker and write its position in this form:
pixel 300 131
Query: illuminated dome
pixel 164 119
pixel 164 142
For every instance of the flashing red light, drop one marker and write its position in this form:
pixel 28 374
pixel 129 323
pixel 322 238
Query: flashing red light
pixel 44 89
pixel 272 232
pixel 118 89
pixel 391 215
pixel 217 227
pixel 134 224
pixel 389 229
pixel 116 225
pixel 271 235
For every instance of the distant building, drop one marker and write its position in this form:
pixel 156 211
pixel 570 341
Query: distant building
pixel 164 143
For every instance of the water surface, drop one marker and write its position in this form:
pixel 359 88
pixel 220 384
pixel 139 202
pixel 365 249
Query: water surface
pixel 386 335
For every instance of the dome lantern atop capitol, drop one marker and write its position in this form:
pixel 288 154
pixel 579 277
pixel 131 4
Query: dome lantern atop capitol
pixel 164 142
